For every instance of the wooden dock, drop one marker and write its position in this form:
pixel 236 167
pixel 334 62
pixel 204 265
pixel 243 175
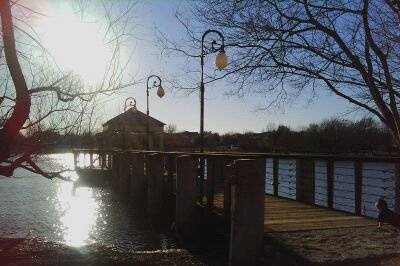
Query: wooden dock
pixel 316 235
pixel 285 215
pixel 234 190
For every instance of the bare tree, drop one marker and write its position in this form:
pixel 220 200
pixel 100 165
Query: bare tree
pixel 170 128
pixel 285 48
pixel 37 95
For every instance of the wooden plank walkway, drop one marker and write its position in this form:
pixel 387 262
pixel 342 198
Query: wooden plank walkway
pixel 285 215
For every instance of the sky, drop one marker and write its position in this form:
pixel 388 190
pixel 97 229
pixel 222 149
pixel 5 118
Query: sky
pixel 223 113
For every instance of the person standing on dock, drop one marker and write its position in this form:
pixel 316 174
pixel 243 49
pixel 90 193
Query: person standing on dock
pixel 386 215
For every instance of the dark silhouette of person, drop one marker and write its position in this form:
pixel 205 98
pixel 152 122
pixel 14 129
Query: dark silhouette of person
pixel 386 215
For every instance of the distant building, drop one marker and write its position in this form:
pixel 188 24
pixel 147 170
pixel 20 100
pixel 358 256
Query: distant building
pixel 129 130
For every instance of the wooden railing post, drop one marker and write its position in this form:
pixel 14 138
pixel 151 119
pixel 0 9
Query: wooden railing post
pixel 109 161
pixel 76 159
pixel 210 182
pixel 247 216
pixel 103 161
pixel 155 188
pixel 171 171
pixel 228 173
pixel 275 175
pixel 115 168
pixel 124 173
pixel 330 166
pixel 305 181
pixel 358 186
pixel 91 159
pixel 186 193
pixel 138 179
pixel 397 187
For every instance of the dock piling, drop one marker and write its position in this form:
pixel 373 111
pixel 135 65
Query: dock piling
pixel 247 211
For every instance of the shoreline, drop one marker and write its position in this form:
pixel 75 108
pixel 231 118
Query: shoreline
pixel 33 251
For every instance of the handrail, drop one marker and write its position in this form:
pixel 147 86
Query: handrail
pixel 336 157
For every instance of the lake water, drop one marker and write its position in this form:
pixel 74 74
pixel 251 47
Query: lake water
pixel 33 206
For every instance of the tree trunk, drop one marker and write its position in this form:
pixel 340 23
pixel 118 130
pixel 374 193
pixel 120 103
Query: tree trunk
pixel 21 109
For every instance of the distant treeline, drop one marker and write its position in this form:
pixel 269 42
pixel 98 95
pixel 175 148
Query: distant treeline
pixel 329 136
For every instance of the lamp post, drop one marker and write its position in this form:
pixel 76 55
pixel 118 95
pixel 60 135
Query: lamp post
pixel 221 62
pixel 160 93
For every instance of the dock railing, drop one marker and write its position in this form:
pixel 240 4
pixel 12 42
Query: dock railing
pixel 347 183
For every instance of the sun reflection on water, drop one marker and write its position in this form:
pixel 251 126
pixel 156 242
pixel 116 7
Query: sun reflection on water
pixel 79 212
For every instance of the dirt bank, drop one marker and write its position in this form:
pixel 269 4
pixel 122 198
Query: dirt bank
pixel 36 252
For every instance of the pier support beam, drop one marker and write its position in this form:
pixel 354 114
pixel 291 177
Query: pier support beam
pixel 138 179
pixel 212 168
pixel 275 175
pixel 228 173
pixel 91 159
pixel 124 173
pixel 155 184
pixel 186 194
pixel 115 169
pixel 247 211
pixel 76 160
pixel 305 181
pixel 358 178
pixel 330 169
pixel 397 187
pixel 171 172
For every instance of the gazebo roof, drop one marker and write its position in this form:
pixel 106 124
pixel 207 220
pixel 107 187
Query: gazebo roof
pixel 134 116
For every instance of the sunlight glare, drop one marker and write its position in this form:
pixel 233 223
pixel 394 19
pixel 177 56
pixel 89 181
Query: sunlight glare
pixel 79 213
pixel 75 45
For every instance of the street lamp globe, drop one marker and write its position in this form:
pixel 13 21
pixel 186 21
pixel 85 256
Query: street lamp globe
pixel 221 60
pixel 160 91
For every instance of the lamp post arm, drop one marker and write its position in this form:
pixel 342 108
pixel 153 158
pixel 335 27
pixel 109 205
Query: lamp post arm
pixel 131 103
pixel 156 83
pixel 214 45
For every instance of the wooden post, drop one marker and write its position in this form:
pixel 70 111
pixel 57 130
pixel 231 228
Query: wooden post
pixel 124 173
pixel 108 160
pixel 358 186
pixel 91 159
pixel 275 175
pixel 397 187
pixel 154 173
pixel 210 182
pixel 76 160
pixel 115 168
pixel 171 171
pixel 84 160
pixel 247 217
pixel 103 161
pixel 305 181
pixel 186 193
pixel 228 173
pixel 330 169
pixel 138 179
